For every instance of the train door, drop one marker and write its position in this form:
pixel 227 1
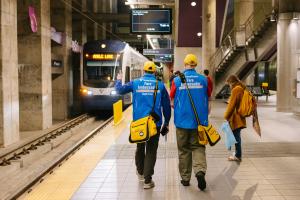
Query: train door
pixel 127 97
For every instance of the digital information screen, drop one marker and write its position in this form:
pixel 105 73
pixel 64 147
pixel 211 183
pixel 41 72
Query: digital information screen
pixel 151 21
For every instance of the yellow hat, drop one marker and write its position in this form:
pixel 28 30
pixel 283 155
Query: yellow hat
pixel 149 66
pixel 190 59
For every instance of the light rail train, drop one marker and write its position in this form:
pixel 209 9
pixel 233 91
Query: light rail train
pixel 102 61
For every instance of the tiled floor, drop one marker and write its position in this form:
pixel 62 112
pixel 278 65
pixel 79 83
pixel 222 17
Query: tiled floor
pixel 269 170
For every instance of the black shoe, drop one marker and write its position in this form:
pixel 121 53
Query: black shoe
pixel 201 180
pixel 185 183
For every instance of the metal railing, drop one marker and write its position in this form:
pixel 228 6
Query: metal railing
pixel 238 36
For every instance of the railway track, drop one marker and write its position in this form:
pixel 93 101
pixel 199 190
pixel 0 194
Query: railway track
pixel 65 156
pixel 27 164
pixel 16 154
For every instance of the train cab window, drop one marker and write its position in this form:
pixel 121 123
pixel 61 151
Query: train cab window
pixel 127 74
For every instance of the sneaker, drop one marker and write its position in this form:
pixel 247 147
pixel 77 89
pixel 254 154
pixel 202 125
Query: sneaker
pixel 185 183
pixel 234 158
pixel 140 176
pixel 201 180
pixel 149 185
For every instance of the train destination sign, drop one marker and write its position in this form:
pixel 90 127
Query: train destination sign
pixel 101 56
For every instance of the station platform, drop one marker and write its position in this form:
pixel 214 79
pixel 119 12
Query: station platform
pixel 104 168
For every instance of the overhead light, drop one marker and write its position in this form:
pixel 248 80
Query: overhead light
pixel 272 18
pixel 132 6
pixel 193 3
pixel 199 34
pixel 295 16
pixel 139 36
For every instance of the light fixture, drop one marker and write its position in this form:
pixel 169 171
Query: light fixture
pixel 199 34
pixel 295 16
pixel 103 46
pixel 193 3
pixel 273 16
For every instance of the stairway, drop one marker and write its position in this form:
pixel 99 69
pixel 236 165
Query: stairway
pixel 241 59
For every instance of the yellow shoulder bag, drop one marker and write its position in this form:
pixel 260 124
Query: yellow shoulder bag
pixel 142 129
pixel 206 134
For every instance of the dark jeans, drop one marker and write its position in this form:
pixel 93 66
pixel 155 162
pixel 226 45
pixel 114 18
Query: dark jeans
pixel 238 145
pixel 145 162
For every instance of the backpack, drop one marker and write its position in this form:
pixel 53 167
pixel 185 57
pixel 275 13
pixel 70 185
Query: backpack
pixel 247 105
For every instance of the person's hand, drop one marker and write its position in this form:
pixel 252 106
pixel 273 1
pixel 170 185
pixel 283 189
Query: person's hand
pixel 164 130
pixel 119 76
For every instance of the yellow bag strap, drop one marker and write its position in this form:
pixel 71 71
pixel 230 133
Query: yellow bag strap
pixel 183 80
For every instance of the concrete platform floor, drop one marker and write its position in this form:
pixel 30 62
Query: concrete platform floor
pixel 269 170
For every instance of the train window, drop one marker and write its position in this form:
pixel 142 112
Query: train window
pixel 127 74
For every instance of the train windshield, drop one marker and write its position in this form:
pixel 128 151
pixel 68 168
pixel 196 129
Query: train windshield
pixel 101 73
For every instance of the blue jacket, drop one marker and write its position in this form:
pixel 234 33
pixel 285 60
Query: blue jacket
pixel 183 112
pixel 143 91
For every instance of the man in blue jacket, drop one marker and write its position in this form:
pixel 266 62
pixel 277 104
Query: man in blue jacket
pixel 142 92
pixel 191 154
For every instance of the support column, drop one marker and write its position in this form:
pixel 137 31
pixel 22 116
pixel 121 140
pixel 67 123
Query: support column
pixel 34 53
pixel 208 31
pixel 95 9
pixel 9 90
pixel 242 11
pixel 83 23
pixel 61 20
pixel 288 56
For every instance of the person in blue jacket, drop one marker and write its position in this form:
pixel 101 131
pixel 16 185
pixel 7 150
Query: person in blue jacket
pixel 142 96
pixel 190 152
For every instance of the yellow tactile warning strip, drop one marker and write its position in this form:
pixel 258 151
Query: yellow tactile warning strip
pixel 65 180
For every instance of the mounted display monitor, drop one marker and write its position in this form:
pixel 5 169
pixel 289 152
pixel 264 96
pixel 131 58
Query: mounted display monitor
pixel 151 21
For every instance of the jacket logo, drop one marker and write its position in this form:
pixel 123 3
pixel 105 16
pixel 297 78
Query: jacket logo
pixel 141 133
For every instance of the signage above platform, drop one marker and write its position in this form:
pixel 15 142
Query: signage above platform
pixel 153 52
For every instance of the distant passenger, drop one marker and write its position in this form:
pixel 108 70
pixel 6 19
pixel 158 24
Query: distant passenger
pixel 209 85
pixel 143 90
pixel 236 121
pixel 190 152
pixel 209 81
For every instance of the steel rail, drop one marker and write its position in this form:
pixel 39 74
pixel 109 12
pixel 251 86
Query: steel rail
pixel 24 149
pixel 59 161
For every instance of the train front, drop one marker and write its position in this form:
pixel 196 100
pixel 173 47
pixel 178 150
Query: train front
pixel 101 64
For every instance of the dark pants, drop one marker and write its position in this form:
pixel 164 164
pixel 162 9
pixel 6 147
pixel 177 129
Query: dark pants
pixel 145 161
pixel 238 145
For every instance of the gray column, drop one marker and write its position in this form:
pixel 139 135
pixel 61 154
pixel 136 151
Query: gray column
pixel 288 58
pixel 208 31
pixel 9 89
pixel 34 53
pixel 95 9
pixel 83 23
pixel 242 10
pixel 61 20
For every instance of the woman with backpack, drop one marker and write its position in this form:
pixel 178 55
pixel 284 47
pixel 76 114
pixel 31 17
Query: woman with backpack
pixel 236 121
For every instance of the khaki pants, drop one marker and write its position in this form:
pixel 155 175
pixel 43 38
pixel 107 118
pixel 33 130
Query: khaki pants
pixel 191 154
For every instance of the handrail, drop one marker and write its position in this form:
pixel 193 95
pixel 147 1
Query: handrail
pixel 230 41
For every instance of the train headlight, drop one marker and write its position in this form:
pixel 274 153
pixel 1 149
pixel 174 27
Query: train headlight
pixel 89 92
pixel 103 46
pixel 84 91
pixel 113 92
